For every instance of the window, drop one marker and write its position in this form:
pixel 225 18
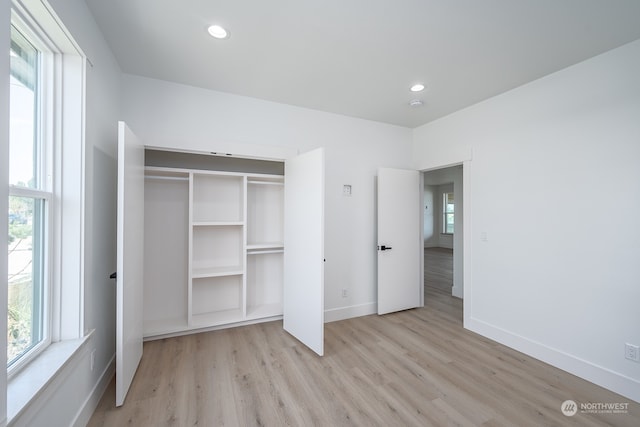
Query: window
pixel 447 212
pixel 29 198
pixel 46 107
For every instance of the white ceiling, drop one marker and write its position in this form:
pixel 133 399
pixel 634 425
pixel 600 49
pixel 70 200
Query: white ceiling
pixel 359 57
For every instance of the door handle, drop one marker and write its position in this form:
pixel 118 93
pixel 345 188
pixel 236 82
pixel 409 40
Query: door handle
pixel 384 248
pixel 113 275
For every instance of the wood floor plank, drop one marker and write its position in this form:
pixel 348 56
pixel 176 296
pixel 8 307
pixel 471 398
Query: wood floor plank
pixel 418 367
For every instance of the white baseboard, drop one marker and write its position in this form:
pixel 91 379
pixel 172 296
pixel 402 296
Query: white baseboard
pixel 342 313
pixel 457 292
pixel 91 402
pixel 604 377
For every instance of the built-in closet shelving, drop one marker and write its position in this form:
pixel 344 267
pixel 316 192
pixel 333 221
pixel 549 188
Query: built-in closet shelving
pixel 265 247
pixel 214 248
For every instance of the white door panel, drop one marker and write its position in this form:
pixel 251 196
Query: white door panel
pixel 130 257
pixel 304 249
pixel 399 240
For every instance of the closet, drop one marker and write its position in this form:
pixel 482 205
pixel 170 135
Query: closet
pixel 214 241
pixel 208 240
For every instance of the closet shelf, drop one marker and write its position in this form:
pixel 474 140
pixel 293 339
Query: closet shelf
pixel 165 173
pixel 204 272
pixel 217 223
pixel 266 245
pixel 265 251
pixel 276 183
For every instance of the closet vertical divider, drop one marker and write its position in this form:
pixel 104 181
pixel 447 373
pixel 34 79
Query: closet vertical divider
pixel 244 246
pixel 190 269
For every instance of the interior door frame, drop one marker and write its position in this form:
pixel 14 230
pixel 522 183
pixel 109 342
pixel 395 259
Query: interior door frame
pixel 467 237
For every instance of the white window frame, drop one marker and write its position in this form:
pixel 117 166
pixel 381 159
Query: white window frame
pixel 445 213
pixel 65 65
pixel 44 118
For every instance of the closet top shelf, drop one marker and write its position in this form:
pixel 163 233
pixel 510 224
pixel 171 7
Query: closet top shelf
pixel 160 171
pixel 156 172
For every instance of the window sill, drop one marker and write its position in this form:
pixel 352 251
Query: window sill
pixel 32 381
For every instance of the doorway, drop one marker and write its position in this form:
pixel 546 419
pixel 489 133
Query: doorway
pixel 443 230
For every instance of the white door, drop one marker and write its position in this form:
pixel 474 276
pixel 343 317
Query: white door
pixel 129 280
pixel 304 249
pixel 400 284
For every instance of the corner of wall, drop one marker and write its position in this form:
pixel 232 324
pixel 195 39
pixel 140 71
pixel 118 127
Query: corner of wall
pixel 599 375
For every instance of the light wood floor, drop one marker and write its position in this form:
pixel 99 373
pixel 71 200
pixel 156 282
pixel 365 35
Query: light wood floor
pixel 414 368
pixel 438 268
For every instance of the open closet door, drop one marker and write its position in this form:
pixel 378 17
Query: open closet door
pixel 130 246
pixel 304 249
pixel 400 242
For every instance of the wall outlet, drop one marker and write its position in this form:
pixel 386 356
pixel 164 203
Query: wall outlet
pixel 632 352
pixel 93 359
pixel 346 190
pixel 344 293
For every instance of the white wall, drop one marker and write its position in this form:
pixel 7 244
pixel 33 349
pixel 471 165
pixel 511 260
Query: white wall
pixel 79 388
pixel 548 281
pixel 102 113
pixel 430 222
pixel 172 115
pixel 5 40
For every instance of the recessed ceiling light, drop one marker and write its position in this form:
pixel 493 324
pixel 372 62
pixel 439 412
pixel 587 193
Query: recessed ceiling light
pixel 418 87
pixel 416 103
pixel 218 32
